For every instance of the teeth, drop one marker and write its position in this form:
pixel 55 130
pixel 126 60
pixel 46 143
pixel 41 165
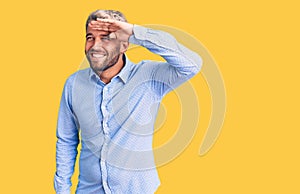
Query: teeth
pixel 97 55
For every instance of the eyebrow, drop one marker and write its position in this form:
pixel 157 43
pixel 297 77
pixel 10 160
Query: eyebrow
pixel 88 34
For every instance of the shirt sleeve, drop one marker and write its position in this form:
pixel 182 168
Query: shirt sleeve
pixel 67 142
pixel 181 63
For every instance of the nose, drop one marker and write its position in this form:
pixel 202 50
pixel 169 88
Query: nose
pixel 97 43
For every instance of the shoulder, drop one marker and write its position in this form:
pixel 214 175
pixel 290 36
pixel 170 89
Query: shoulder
pixel 79 73
pixel 71 79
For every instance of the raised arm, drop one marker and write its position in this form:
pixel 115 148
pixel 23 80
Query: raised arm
pixel 181 63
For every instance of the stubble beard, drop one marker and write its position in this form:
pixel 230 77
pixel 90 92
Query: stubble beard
pixel 100 66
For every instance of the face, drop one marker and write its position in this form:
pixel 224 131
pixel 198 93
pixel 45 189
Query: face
pixel 102 49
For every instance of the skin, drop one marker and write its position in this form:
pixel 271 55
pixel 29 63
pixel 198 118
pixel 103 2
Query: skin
pixel 106 42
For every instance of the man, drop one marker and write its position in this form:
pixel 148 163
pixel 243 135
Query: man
pixel 114 104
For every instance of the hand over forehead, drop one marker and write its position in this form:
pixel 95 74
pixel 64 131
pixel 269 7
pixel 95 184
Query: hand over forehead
pixel 109 25
pixel 122 29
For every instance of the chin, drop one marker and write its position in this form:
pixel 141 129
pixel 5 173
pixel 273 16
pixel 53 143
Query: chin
pixel 99 67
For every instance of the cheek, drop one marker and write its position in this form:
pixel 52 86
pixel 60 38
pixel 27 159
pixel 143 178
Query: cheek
pixel 88 46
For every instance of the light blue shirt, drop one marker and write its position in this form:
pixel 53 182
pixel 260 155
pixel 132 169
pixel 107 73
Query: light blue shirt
pixel 114 122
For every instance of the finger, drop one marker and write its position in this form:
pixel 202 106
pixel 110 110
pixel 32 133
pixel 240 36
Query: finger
pixel 111 21
pixel 112 24
pixel 99 27
pixel 102 32
pixel 93 22
pixel 102 24
pixel 98 23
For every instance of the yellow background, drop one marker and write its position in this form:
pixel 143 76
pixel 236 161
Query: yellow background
pixel 255 43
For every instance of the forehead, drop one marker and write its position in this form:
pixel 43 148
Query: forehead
pixel 95 32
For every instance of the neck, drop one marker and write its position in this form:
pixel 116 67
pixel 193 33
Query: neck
pixel 109 73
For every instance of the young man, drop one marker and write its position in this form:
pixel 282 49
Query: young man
pixel 114 104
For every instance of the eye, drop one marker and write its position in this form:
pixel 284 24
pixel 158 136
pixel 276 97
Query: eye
pixel 105 38
pixel 90 38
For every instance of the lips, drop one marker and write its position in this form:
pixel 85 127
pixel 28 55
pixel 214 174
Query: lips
pixel 97 55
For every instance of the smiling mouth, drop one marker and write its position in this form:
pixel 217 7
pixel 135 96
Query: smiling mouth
pixel 97 55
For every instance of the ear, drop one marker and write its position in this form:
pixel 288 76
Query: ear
pixel 124 46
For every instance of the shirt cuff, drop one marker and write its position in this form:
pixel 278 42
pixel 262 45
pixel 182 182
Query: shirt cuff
pixel 139 35
pixel 60 186
pixel 63 192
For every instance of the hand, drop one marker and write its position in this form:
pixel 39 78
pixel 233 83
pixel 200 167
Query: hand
pixel 123 30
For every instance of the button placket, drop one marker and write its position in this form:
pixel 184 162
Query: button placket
pixel 105 114
pixel 104 109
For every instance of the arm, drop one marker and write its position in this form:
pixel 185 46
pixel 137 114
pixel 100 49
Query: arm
pixel 67 142
pixel 181 63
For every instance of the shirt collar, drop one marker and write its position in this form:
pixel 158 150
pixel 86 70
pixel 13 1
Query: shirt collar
pixel 124 74
pixel 126 70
